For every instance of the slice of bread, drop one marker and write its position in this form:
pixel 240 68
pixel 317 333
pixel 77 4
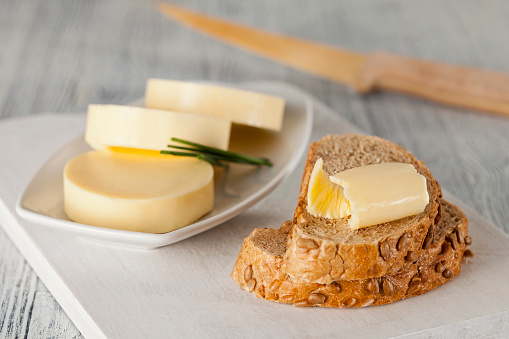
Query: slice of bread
pixel 258 269
pixel 323 250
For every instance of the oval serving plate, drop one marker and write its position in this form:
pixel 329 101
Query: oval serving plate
pixel 236 188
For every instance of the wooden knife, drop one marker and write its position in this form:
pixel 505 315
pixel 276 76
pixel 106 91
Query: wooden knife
pixel 466 87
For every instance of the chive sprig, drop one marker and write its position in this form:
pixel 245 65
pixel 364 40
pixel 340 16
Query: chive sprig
pixel 214 156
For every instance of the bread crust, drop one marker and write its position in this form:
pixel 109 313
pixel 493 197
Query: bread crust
pixel 258 271
pixel 333 258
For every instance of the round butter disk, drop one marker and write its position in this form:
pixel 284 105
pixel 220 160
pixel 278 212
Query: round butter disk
pixel 152 129
pixel 137 192
pixel 240 106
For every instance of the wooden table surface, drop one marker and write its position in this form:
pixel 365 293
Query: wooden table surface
pixel 61 55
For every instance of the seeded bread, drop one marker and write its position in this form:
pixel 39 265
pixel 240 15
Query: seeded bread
pixel 258 269
pixel 324 250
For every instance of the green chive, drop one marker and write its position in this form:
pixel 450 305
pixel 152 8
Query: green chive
pixel 214 155
pixel 227 154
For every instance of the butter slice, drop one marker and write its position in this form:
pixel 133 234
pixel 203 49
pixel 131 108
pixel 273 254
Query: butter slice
pixel 142 128
pixel 136 192
pixel 239 106
pixel 380 193
pixel 326 199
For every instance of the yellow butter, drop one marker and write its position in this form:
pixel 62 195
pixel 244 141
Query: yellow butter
pixel 239 106
pixel 325 199
pixel 137 192
pixel 368 195
pixel 136 127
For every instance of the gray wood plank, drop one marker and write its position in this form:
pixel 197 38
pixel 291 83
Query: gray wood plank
pixel 61 55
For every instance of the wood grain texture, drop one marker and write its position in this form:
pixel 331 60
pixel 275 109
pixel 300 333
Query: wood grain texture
pixel 59 56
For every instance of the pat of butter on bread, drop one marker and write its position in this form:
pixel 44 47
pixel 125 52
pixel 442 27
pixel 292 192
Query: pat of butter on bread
pixel 136 127
pixel 137 192
pixel 239 106
pixel 368 195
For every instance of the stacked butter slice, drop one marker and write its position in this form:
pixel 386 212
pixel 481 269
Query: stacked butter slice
pixel 320 261
pixel 125 183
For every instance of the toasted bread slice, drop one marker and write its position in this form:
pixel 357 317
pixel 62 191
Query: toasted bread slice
pixel 324 250
pixel 258 269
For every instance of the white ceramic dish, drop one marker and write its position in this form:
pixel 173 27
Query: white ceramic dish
pixel 236 189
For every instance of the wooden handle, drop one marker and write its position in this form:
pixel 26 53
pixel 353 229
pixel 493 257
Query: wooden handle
pixel 453 85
